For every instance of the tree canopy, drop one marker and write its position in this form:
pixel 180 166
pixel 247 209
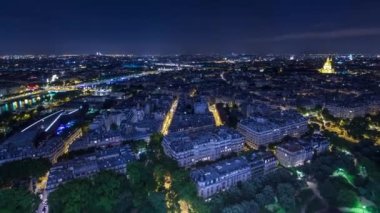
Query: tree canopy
pixel 17 200
pixel 104 192
pixel 22 170
pixel 279 187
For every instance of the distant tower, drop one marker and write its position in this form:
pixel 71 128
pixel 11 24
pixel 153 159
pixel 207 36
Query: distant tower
pixel 327 67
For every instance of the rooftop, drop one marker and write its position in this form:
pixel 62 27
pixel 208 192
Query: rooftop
pixel 183 141
pixel 272 120
pixel 219 169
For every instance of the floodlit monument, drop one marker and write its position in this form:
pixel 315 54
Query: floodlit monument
pixel 327 67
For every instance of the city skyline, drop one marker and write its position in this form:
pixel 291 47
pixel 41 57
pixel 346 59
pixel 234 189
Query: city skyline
pixel 190 106
pixel 189 133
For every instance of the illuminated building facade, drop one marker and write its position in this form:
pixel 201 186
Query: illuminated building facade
pixel 327 67
pixel 295 153
pixel 223 175
pixel 261 131
pixel 209 144
pixel 114 159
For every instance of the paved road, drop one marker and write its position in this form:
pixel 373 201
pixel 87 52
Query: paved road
pixel 43 207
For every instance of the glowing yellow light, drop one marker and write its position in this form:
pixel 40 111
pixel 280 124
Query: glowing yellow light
pixel 193 92
pixel 169 117
pixel 168 182
pixel 41 183
pixel 215 113
pixel 184 206
pixel 327 67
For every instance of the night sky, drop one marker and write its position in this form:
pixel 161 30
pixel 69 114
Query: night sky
pixel 189 26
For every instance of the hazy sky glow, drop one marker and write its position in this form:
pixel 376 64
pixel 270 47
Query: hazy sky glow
pixel 189 26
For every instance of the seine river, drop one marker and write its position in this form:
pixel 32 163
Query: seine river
pixel 26 103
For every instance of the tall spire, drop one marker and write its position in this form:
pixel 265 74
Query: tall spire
pixel 327 67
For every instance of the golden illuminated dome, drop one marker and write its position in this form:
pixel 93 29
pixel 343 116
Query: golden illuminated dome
pixel 327 67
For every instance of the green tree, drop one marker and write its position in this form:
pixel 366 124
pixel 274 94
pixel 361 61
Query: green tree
pixel 234 195
pixel 108 188
pixel 357 127
pixel 74 196
pixel 141 182
pixel 327 116
pixel 157 202
pixel 327 193
pixel 155 151
pixel 243 207
pixel 17 200
pixel 105 192
pixel 249 190
pixel 261 200
pixel 268 194
pixel 286 195
pixel 23 170
pixel 347 198
pixel 159 175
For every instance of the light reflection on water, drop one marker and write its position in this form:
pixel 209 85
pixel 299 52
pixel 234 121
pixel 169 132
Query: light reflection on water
pixel 25 103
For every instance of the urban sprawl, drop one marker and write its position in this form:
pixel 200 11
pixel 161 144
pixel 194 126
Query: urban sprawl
pixel 224 120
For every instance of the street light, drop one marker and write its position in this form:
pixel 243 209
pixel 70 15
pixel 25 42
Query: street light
pixel 363 208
